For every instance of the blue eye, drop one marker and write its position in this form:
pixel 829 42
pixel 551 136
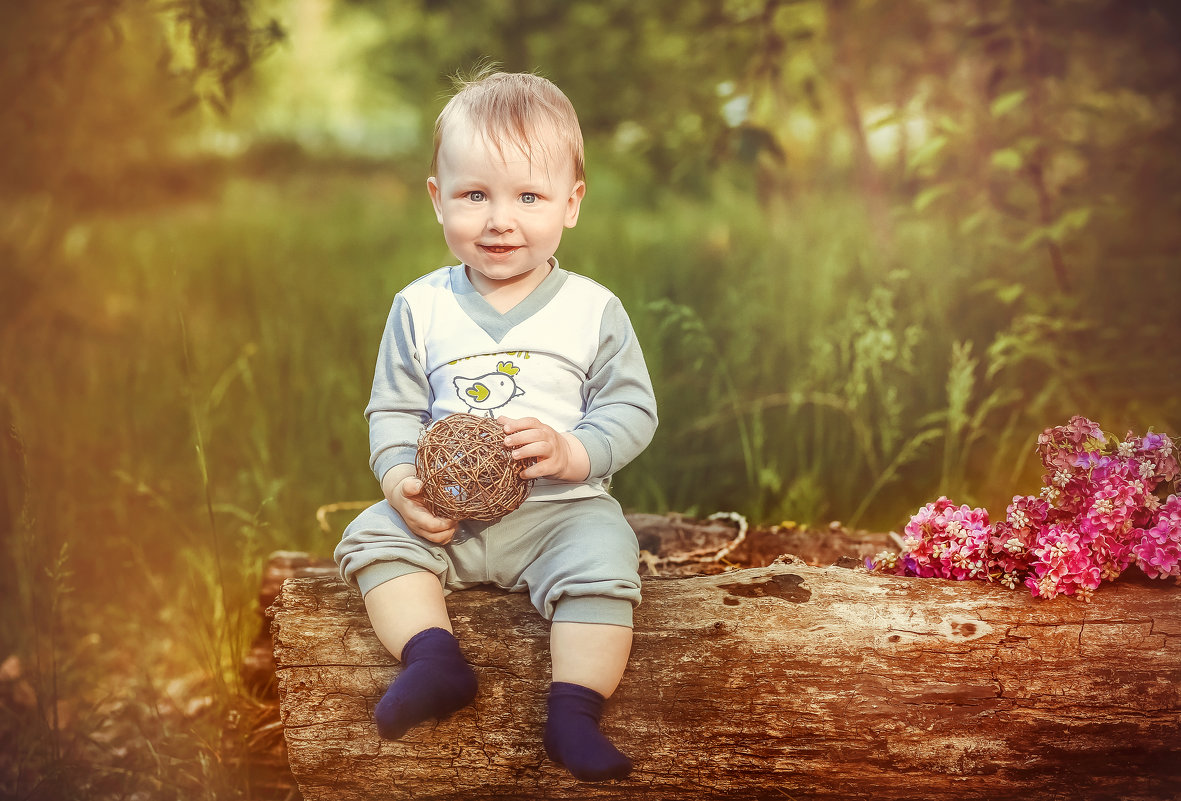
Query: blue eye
pixel 477 196
pixel 528 197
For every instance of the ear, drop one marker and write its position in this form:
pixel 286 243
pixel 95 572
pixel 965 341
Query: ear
pixel 574 203
pixel 432 187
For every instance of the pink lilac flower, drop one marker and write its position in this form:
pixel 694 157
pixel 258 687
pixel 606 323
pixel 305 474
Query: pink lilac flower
pixel 1064 563
pixel 1059 445
pixel 1158 553
pixel 1103 507
pixel 947 541
pixel 1089 461
pixel 1010 547
pixel 1098 512
pixel 1113 496
pixel 1158 456
pixel 1071 498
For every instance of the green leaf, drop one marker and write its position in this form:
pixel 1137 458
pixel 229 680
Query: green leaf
pixel 930 195
pixel 1007 102
pixel 894 118
pixel 945 122
pixel 1007 159
pixel 974 221
pixel 770 479
pixel 1033 239
pixel 1070 222
pixel 1010 293
pixel 929 150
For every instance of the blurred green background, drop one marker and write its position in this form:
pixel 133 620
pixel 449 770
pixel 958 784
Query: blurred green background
pixel 871 248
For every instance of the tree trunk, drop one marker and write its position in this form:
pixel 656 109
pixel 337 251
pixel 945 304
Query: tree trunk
pixel 787 681
pixel 843 71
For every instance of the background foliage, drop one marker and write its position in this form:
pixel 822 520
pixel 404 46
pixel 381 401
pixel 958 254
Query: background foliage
pixel 872 249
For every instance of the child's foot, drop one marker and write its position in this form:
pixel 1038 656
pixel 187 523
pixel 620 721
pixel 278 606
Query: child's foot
pixel 435 682
pixel 572 736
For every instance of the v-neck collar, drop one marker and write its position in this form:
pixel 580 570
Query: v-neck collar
pixel 493 323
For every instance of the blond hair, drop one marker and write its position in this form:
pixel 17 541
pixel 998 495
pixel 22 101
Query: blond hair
pixel 515 108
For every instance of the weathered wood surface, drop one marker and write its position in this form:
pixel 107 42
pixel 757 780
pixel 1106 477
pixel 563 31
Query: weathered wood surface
pixel 671 545
pixel 258 665
pixel 787 681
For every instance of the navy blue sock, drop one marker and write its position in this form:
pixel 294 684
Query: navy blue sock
pixel 572 736
pixel 435 681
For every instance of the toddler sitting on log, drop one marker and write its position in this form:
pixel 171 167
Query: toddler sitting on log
pixel 571 391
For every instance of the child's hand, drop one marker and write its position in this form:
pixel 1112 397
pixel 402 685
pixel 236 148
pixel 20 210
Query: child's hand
pixel 403 491
pixel 558 455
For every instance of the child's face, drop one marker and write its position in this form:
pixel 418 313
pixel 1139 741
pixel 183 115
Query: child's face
pixel 502 213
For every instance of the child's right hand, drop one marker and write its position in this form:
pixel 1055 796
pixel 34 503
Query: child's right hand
pixel 403 491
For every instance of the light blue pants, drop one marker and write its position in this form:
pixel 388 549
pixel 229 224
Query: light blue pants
pixel 578 559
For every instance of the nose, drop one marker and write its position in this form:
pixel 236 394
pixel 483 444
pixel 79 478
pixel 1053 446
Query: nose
pixel 500 218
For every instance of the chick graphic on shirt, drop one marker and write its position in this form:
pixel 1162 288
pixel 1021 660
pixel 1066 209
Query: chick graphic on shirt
pixel 490 391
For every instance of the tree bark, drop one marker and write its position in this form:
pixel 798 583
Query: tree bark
pixel 786 681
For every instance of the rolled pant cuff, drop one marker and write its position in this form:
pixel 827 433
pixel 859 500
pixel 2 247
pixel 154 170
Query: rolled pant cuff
pixel 594 609
pixel 380 572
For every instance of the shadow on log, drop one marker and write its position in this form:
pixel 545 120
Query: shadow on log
pixel 787 681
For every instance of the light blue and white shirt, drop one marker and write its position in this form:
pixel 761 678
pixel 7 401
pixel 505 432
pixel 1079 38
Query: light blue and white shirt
pixel 567 355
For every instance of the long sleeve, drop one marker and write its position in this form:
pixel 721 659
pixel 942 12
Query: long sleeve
pixel 399 403
pixel 620 416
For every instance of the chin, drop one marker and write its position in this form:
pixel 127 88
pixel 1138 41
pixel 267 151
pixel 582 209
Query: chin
pixel 501 273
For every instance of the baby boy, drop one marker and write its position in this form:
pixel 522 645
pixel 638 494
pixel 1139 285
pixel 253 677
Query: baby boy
pixel 552 357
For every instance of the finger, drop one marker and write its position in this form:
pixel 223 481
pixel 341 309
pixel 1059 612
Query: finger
pixel 450 528
pixel 525 437
pixel 433 528
pixel 430 522
pixel 439 537
pixel 539 469
pixel 411 487
pixel 511 426
pixel 534 450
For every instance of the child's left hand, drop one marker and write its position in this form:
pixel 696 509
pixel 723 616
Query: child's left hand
pixel 558 455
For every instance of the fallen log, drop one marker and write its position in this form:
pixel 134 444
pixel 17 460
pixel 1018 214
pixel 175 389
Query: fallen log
pixel 258 665
pixel 786 681
pixel 672 545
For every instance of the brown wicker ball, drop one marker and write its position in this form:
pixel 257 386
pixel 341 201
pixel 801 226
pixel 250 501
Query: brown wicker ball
pixel 466 471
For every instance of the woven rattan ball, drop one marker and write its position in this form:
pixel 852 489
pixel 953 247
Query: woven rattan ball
pixel 467 473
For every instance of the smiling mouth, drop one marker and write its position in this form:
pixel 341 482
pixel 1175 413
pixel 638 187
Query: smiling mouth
pixel 500 248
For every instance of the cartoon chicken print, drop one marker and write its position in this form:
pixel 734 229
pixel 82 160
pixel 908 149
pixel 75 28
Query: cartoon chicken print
pixel 491 390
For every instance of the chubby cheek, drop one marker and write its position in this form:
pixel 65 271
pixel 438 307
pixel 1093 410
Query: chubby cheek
pixel 460 246
pixel 463 223
pixel 455 233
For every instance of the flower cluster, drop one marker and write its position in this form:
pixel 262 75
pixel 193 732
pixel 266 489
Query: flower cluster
pixel 947 541
pixel 1100 510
